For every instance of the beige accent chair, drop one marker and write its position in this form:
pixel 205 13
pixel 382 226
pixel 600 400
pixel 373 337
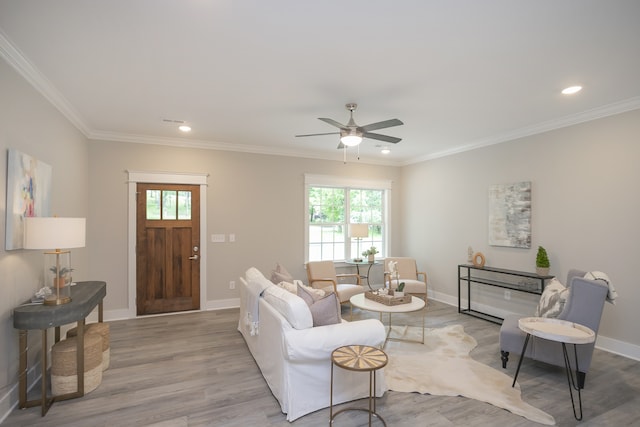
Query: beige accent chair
pixel 322 275
pixel 407 273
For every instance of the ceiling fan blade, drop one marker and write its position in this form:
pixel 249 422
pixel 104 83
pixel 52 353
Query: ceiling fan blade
pixel 381 125
pixel 333 123
pixel 316 134
pixel 341 146
pixel 385 138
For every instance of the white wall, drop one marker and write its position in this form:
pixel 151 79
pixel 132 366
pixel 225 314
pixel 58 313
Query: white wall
pixel 31 125
pixel 585 211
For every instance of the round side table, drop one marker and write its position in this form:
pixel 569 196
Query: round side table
pixel 564 332
pixel 361 358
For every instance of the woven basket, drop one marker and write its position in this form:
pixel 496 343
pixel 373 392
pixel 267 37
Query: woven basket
pixel 103 330
pixel 64 377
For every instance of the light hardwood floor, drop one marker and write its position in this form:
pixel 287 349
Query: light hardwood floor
pixel 194 369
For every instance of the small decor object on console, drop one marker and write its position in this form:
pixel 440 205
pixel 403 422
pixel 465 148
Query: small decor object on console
pixel 478 260
pixel 542 262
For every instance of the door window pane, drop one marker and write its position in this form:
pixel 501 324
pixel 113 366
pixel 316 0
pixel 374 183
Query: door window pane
pixel 169 204
pixel 184 204
pixel 153 204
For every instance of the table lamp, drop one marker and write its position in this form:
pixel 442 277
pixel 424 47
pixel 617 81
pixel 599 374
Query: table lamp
pixel 358 231
pixel 59 233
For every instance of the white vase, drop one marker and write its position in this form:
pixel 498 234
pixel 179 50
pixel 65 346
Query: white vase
pixel 372 258
pixel 398 294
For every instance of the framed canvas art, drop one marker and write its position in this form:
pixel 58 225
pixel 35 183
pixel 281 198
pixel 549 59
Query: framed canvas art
pixel 28 194
pixel 510 215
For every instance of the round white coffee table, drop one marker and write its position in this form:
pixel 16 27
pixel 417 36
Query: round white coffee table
pixel 416 304
pixel 564 332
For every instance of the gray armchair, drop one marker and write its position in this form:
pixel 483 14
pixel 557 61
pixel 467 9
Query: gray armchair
pixel 584 306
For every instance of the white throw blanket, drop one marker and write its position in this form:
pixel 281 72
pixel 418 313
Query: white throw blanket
pixel 254 292
pixel 599 275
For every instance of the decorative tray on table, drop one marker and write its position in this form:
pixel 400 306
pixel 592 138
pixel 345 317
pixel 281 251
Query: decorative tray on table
pixel 387 299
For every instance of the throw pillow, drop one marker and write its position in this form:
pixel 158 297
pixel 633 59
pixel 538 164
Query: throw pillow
pixel 289 287
pixel 599 275
pixel 552 300
pixel 325 310
pixel 280 274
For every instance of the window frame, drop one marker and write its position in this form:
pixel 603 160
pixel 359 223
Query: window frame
pixel 312 180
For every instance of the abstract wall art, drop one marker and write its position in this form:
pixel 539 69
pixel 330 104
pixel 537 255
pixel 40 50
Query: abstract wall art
pixel 510 215
pixel 28 194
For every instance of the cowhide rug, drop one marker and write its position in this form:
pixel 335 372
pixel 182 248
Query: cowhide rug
pixel 443 367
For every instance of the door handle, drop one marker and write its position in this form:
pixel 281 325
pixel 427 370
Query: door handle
pixel 193 257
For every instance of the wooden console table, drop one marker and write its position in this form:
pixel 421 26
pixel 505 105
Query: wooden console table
pixel 85 296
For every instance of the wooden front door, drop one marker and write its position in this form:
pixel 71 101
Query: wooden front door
pixel 167 248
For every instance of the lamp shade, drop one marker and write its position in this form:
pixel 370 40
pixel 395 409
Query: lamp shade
pixel 54 232
pixel 359 230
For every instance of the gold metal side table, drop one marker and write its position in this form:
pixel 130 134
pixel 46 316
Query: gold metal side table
pixel 361 358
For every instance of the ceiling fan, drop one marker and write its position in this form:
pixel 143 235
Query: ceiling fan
pixel 351 134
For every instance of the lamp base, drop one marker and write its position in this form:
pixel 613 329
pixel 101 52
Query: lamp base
pixel 57 301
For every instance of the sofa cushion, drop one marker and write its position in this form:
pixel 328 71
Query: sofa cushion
pixel 254 275
pixel 552 299
pixel 325 310
pixel 290 306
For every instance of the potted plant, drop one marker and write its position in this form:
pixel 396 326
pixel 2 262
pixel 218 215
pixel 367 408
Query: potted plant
pixel 60 278
pixel 370 253
pixel 542 262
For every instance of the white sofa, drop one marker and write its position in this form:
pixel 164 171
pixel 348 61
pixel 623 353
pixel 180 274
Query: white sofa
pixel 294 356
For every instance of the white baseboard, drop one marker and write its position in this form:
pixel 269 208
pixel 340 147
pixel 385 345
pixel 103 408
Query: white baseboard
pixel 221 304
pixel 610 345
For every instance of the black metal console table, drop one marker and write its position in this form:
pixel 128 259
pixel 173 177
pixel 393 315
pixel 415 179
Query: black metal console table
pixel 520 281
pixel 85 296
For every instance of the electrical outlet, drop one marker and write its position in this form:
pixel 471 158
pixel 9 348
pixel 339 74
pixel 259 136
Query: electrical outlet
pixel 232 284
pixel 507 295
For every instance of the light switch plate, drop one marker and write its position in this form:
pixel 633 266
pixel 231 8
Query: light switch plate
pixel 217 238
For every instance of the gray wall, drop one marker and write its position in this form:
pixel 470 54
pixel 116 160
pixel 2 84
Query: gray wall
pixel 585 211
pixel 32 125
pixel 259 198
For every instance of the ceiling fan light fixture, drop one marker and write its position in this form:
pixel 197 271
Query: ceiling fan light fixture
pixel 351 140
pixel 385 150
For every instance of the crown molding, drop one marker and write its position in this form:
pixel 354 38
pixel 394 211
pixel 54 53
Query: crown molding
pixel 225 146
pixel 35 78
pixel 573 119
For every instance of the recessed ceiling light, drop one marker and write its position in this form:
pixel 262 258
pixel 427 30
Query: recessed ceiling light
pixel 385 150
pixel 185 128
pixel 571 90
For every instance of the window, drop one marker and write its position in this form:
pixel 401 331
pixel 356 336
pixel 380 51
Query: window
pixel 332 204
